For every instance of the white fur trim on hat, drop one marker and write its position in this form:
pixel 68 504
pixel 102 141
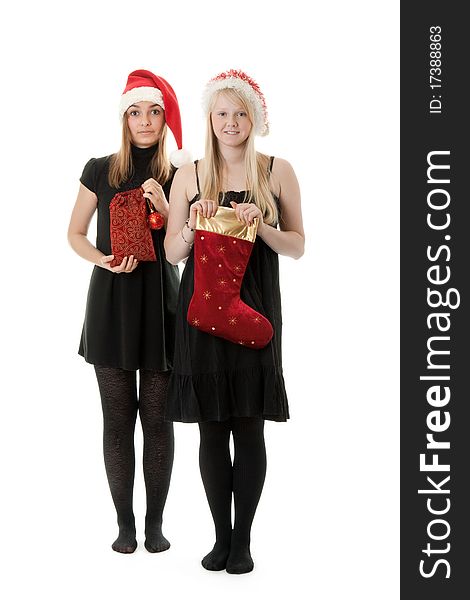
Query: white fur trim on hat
pixel 261 123
pixel 140 94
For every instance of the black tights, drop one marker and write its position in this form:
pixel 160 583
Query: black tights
pixel 120 405
pixel 244 479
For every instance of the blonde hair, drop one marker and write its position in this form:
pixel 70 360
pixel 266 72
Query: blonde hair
pixel 256 164
pixel 121 167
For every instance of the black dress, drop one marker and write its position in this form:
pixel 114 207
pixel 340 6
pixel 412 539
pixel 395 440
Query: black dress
pixel 214 379
pixel 130 317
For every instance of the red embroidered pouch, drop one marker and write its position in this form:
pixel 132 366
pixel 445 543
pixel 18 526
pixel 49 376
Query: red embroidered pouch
pixel 129 228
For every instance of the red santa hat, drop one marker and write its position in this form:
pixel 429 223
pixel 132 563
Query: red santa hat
pixel 248 88
pixel 144 85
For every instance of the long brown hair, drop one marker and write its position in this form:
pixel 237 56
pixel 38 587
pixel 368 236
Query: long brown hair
pixel 121 167
pixel 256 164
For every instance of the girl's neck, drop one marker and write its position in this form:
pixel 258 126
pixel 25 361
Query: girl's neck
pixel 233 157
pixel 233 176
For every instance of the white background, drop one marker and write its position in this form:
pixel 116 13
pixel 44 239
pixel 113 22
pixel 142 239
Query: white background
pixel 327 523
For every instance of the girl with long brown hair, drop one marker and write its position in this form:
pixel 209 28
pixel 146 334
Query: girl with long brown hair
pixel 129 321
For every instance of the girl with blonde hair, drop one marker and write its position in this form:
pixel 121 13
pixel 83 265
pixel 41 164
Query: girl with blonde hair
pixel 231 214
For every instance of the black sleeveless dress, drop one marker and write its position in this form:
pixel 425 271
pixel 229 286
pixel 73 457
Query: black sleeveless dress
pixel 130 317
pixel 214 379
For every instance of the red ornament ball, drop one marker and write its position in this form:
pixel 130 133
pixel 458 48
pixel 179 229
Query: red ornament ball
pixel 156 220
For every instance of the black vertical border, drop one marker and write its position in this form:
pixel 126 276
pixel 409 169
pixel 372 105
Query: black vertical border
pixel 421 133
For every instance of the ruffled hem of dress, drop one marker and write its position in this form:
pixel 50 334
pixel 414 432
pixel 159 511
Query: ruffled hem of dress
pixel 126 365
pixel 254 392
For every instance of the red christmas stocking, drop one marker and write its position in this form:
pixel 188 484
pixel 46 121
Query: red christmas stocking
pixel 222 248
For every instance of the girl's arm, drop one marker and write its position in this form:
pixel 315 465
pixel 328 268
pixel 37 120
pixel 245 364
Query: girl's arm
pixel 290 239
pixel 179 237
pixel 176 249
pixel 82 214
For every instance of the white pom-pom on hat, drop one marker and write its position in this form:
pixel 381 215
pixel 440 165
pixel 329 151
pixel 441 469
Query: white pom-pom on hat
pixel 178 158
